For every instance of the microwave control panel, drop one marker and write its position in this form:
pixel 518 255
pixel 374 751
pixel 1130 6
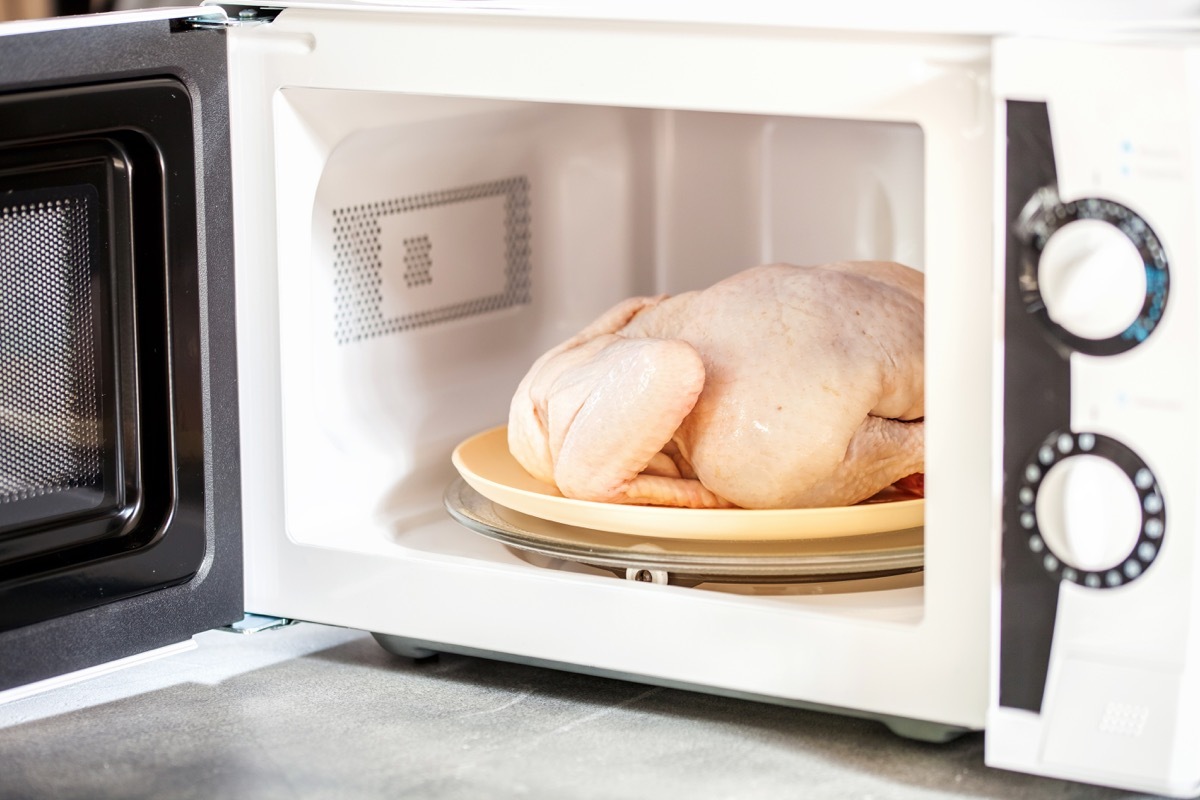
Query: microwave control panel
pixel 1096 600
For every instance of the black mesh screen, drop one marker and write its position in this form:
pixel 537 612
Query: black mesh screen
pixel 51 437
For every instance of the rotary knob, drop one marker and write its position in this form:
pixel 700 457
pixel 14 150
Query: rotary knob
pixel 1088 512
pixel 1093 270
pixel 1092 279
pixel 1092 511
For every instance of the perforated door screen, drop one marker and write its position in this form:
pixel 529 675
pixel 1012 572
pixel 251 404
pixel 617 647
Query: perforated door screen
pixel 50 432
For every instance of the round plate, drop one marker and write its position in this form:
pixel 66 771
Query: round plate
pixel 689 561
pixel 485 463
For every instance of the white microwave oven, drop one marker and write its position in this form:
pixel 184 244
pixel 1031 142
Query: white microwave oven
pixel 262 270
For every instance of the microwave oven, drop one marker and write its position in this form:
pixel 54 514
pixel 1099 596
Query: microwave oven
pixel 263 269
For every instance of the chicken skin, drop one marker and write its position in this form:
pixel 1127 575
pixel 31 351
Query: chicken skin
pixel 779 387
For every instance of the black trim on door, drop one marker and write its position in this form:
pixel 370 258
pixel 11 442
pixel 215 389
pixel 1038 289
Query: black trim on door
pixel 135 117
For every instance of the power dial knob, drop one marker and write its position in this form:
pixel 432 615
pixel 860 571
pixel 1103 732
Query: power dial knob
pixel 1093 270
pixel 1091 510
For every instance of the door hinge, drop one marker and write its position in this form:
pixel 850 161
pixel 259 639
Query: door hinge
pixel 256 623
pixel 235 17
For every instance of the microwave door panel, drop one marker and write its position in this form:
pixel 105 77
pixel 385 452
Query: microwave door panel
pixel 119 528
pixel 428 201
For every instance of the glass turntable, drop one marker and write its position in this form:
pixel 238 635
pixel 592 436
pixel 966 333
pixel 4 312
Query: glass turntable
pixel 688 562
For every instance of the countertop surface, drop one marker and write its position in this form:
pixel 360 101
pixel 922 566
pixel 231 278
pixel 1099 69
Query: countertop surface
pixel 310 711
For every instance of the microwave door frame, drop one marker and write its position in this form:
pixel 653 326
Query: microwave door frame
pixel 121 605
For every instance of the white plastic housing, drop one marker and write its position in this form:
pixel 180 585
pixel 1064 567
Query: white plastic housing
pixel 652 158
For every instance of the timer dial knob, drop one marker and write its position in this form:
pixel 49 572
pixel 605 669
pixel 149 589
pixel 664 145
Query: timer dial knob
pixel 1092 279
pixel 1092 270
pixel 1089 512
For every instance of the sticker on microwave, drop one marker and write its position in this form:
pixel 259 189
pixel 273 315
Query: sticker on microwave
pixel 430 258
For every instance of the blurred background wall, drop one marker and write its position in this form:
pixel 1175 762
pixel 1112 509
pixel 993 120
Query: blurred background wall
pixel 36 9
pixel 26 9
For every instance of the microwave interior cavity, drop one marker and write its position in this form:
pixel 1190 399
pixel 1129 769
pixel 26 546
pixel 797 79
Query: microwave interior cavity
pixel 486 231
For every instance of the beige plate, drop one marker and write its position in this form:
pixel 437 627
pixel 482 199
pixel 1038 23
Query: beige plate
pixel 485 463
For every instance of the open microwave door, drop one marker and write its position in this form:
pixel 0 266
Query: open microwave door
pixel 119 467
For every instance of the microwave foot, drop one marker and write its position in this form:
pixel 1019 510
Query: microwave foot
pixel 922 730
pixel 404 647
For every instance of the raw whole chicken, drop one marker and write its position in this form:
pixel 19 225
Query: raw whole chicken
pixel 779 387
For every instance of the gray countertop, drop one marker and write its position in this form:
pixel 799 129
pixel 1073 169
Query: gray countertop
pixel 311 711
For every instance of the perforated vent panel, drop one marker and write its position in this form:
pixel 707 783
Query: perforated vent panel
pixel 50 434
pixel 449 264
